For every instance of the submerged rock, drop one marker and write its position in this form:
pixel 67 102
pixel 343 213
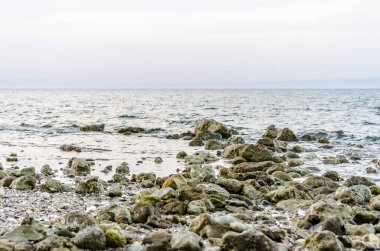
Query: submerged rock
pixel 130 130
pixel 92 128
pixel 70 148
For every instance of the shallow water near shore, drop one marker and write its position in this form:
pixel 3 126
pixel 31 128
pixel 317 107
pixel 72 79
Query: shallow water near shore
pixel 34 123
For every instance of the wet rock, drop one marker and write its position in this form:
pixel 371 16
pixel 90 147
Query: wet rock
pixel 30 230
pixel 51 186
pixel 123 168
pixel 247 167
pixel 181 155
pixel 24 183
pixel 370 170
pixel 158 160
pixel 323 210
pixel 214 191
pixel 287 135
pixel 213 144
pixel 53 243
pixel 77 221
pixel 47 170
pixel 92 185
pixel 80 166
pixel 130 130
pixel 175 207
pixel 202 174
pixel 143 177
pixel 28 171
pixel 196 142
pixel 250 192
pixel 7 181
pixel 70 148
pixel 362 217
pixel 114 191
pixel 213 126
pixel 200 157
pixel 359 230
pixel 332 175
pixel 206 226
pixel 206 135
pixel 92 238
pixel 324 240
pixel 141 211
pixel 185 240
pixel 3 174
pixel 233 140
pixel 157 222
pixel 335 160
pixel 271 132
pixel 292 205
pixel 375 203
pixel 92 128
pixel 107 169
pixel 357 180
pixel 249 152
pixel 174 181
pixel 251 239
pixel 173 136
pixel 291 191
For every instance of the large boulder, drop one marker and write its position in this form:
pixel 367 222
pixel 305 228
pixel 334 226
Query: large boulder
pixel 323 210
pixel 249 152
pixel 174 181
pixel 213 126
pixel 91 238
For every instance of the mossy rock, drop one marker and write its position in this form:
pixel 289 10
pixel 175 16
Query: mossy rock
pixel 114 239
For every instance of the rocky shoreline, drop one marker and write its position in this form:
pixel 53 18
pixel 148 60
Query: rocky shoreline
pixel 268 199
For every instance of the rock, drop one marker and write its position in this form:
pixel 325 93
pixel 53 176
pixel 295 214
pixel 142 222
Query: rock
pixel 158 160
pixel 271 132
pixel 80 166
pixel 324 240
pixel 123 168
pixel 213 126
pixel 3 174
pixel 53 242
pixel 320 181
pixel 157 241
pixel 70 148
pixel 130 130
pixel 248 167
pixel 291 191
pixel 92 128
pixel 335 160
pixel 157 222
pixel 92 238
pixel 173 136
pixel 107 169
pixel 142 177
pixel 115 213
pixel 7 181
pixel 323 210
pixel 202 174
pixel 334 224
pixel 181 155
pixel 231 185
pixel 251 239
pixel 47 170
pixel 24 183
pixel 375 203
pixel 214 191
pixel 357 180
pixel 174 181
pixel 196 207
pixel 24 233
pixel 292 205
pixel 185 240
pixel 141 211
pixel 250 192
pixel 332 175
pixel 196 142
pixel 51 186
pixel 248 151
pixel 114 239
pixel 206 135
pixel 206 226
pixel 362 217
pixel 359 230
pixel 233 140
pixel 29 171
pixel 92 185
pixel 295 162
pixel 114 191
pixel 200 157
pixel 287 135
pixel 213 144
pixel 282 176
pixel 370 170
pixel 77 221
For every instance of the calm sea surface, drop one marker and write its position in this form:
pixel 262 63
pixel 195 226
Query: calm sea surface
pixel 51 118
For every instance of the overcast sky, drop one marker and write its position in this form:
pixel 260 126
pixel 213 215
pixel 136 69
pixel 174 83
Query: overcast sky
pixel 186 44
